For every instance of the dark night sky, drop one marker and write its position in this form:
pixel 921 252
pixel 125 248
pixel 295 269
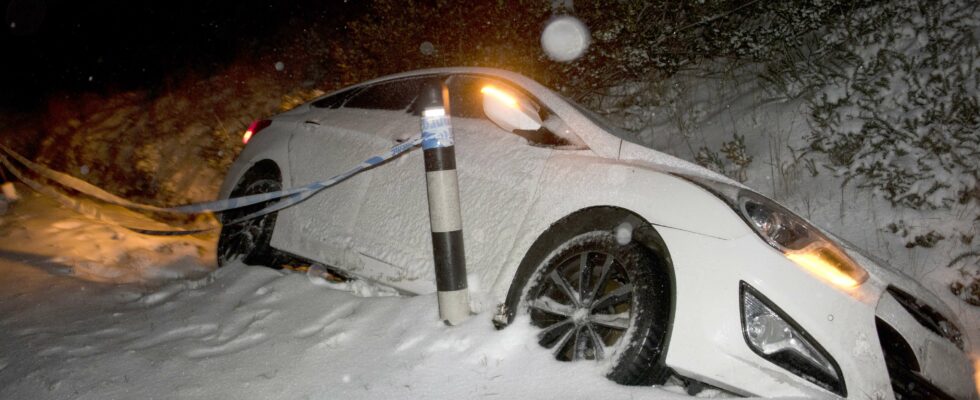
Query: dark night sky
pixel 69 46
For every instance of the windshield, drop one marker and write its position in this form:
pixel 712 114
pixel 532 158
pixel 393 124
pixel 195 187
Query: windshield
pixel 601 121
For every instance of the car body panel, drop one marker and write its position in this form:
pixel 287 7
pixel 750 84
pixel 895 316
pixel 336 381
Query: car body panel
pixel 843 323
pixel 269 144
pixel 321 227
pixel 940 361
pixel 498 176
pixel 578 180
pixel 378 219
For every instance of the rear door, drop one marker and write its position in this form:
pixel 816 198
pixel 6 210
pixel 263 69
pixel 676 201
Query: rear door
pixel 339 134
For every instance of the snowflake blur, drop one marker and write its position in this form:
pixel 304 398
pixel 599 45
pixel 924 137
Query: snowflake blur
pixel 565 38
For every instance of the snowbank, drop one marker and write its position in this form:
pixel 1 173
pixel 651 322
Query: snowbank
pixel 68 243
pixel 241 332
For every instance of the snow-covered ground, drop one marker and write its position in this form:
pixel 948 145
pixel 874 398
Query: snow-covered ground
pixel 92 311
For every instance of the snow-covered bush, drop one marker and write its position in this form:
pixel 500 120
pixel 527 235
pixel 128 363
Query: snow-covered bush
pixel 396 36
pixel 893 95
pixel 167 147
pixel 967 285
pixel 734 164
pixel 632 40
pixel 894 106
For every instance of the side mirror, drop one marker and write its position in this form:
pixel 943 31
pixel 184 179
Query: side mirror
pixel 510 111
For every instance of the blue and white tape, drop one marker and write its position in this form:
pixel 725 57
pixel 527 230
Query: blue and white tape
pixel 436 129
pixel 289 197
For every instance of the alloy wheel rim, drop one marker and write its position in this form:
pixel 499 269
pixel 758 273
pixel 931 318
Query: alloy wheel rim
pixel 584 307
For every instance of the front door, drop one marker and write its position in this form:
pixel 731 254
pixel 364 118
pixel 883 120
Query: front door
pixel 498 173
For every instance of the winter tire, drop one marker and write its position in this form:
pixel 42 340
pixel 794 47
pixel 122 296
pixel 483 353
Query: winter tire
pixel 249 240
pixel 595 299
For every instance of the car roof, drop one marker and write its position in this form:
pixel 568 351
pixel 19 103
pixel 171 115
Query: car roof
pixel 600 141
pixel 509 75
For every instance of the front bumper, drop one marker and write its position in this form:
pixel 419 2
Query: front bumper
pixel 921 362
pixel 707 343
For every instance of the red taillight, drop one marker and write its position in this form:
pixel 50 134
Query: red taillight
pixel 254 128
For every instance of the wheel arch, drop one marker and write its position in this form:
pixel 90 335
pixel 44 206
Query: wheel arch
pixel 264 168
pixel 245 170
pixel 259 169
pixel 269 150
pixel 581 221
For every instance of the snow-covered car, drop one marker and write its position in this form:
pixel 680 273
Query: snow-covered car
pixel 618 253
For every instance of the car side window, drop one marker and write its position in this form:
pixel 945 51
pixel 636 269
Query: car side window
pixel 337 100
pixel 466 101
pixel 394 95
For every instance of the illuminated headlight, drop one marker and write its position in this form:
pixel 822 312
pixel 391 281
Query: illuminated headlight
pixel 799 241
pixel 774 336
pixel 790 234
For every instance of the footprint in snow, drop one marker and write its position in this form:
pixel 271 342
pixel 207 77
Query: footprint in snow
pixel 236 335
pixel 82 351
pixel 265 296
pixel 160 296
pixel 240 323
pixel 321 324
pixel 67 225
pixel 335 338
pixel 233 346
pixel 172 335
pixel 51 351
pixel 107 333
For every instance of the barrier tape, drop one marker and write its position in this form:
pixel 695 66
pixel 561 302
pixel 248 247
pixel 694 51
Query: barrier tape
pixel 290 197
pixel 74 204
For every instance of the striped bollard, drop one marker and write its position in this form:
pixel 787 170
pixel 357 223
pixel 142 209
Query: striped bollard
pixel 444 210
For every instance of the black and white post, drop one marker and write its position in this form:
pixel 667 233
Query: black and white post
pixel 444 210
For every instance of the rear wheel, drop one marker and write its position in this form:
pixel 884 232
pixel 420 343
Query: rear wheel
pixel 249 240
pixel 596 299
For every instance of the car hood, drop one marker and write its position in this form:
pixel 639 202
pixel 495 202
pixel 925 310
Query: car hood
pixel 632 152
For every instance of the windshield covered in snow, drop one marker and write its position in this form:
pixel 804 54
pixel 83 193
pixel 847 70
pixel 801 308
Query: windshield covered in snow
pixel 600 121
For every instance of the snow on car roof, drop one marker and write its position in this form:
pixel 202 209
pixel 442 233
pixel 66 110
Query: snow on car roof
pixel 598 139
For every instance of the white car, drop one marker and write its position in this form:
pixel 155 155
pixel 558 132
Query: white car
pixel 616 251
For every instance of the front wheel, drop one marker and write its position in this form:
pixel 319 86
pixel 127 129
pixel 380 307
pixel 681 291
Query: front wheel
pixel 597 299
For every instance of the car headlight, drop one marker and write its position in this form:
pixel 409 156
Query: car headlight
pixel 789 233
pixel 799 241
